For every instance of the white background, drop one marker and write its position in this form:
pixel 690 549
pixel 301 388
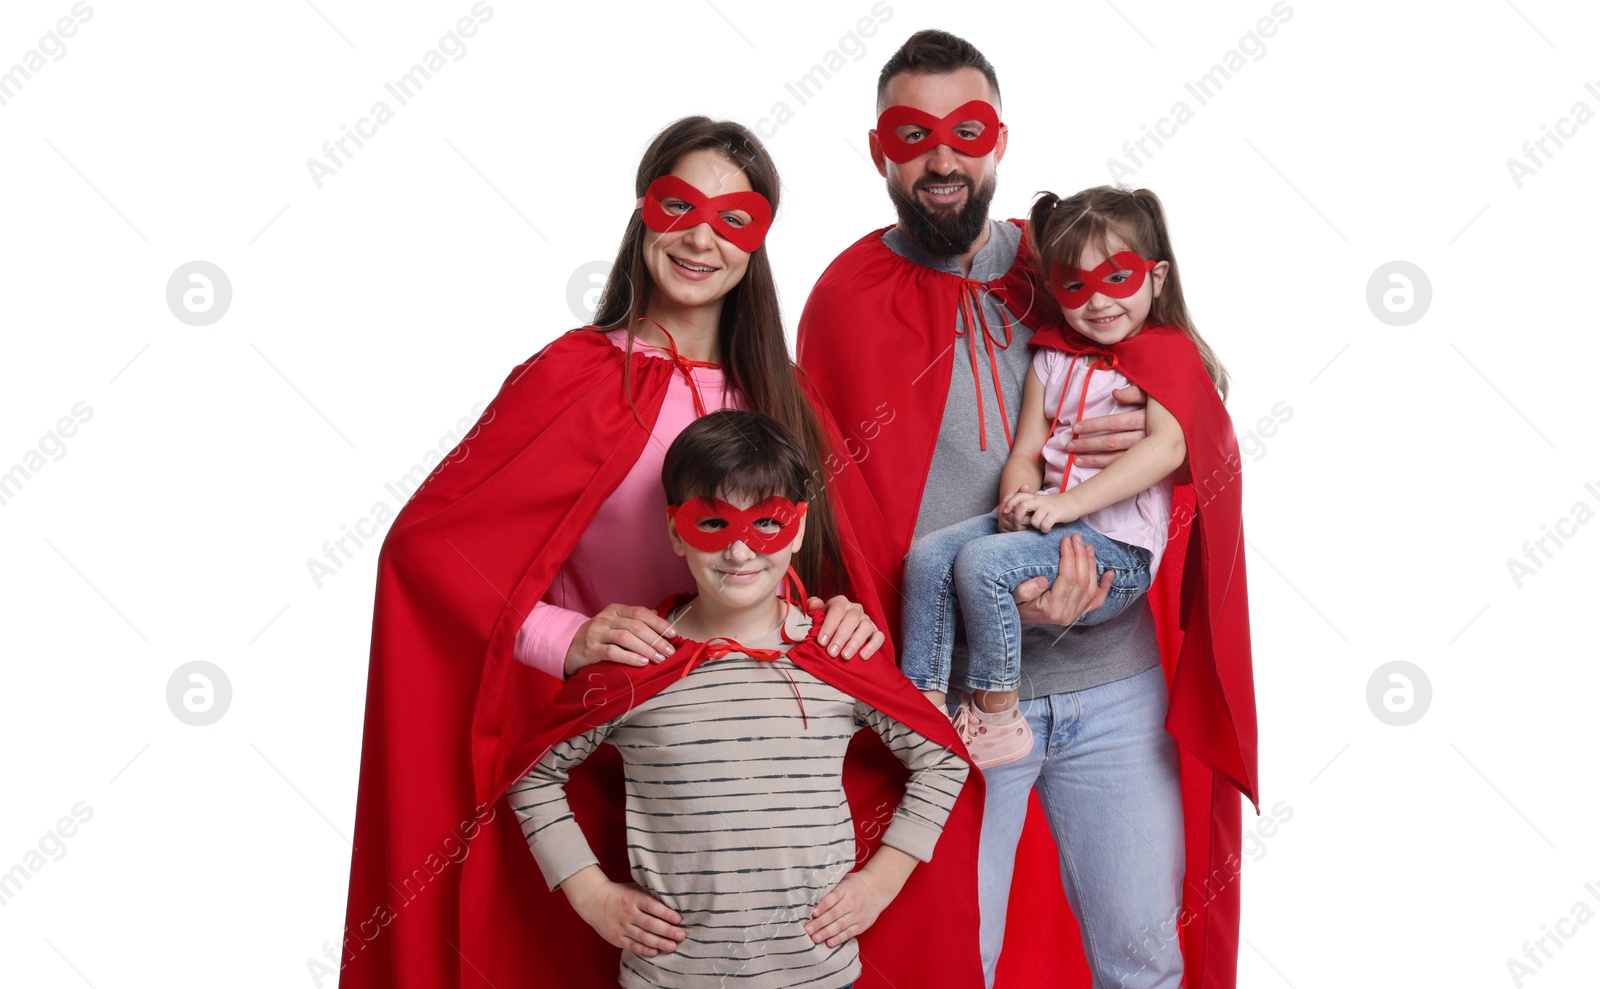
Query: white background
pixel 372 314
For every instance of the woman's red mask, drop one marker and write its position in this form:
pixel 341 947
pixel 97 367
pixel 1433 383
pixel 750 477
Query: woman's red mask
pixel 946 130
pixel 766 527
pixel 1089 282
pixel 722 212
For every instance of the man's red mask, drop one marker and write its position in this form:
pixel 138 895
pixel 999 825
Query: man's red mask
pixel 727 524
pixel 714 210
pixel 1090 282
pixel 946 131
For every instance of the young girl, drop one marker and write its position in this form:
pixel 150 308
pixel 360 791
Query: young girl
pixel 1108 261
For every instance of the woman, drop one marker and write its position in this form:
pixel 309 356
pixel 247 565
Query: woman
pixel 533 550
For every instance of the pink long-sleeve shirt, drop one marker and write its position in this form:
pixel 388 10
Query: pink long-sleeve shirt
pixel 624 557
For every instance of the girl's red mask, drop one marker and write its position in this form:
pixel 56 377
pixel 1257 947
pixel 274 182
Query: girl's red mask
pixel 739 524
pixel 747 237
pixel 1096 281
pixel 940 131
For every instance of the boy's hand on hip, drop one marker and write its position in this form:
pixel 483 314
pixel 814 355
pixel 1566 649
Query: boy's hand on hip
pixel 622 913
pixel 849 908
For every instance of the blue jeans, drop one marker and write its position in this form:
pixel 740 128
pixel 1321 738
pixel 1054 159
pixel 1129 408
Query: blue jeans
pixel 1107 775
pixel 973 562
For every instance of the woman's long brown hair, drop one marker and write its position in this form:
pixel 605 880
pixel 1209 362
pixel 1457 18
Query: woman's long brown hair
pixel 755 353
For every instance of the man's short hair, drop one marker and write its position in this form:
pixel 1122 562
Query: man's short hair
pixel 936 51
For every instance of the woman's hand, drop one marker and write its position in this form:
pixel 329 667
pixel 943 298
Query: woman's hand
pixel 1073 594
pixel 625 915
pixel 620 633
pixel 846 628
pixel 1113 433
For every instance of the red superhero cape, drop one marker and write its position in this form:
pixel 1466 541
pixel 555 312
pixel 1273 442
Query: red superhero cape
pixel 911 944
pixel 877 333
pixel 443 890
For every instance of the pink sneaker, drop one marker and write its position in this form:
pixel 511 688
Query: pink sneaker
pixel 993 738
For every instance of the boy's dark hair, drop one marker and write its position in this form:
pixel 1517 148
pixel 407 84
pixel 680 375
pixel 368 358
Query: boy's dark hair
pixel 936 52
pixel 734 452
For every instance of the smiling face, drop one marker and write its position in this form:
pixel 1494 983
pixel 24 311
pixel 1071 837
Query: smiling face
pixel 737 577
pixel 694 268
pixel 1105 318
pixel 942 195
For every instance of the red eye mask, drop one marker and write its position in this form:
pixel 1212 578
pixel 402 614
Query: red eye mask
pixel 707 209
pixel 940 131
pixel 740 523
pixel 1095 281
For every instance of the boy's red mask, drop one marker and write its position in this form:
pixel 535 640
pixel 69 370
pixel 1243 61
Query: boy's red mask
pixel 707 209
pixel 1095 281
pixel 940 131
pixel 739 523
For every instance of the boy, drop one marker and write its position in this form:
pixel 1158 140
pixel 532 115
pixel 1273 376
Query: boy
pixel 740 838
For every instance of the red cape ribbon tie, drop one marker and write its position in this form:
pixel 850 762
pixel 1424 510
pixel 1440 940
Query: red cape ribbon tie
pixel 946 130
pixel 970 303
pixel 685 365
pixel 745 235
pixel 720 646
pixel 1104 361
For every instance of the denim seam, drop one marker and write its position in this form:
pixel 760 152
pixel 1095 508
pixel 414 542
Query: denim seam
pixel 1086 932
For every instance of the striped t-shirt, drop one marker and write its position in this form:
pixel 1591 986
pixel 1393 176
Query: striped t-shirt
pixel 737 818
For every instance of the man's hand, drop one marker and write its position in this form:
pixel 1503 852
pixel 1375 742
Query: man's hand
pixel 846 628
pixel 1073 594
pixel 1111 434
pixel 625 915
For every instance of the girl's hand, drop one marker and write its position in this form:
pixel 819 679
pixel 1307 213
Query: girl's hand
pixel 1008 519
pixel 1020 507
pixel 846 629
pixel 849 908
pixel 1114 433
pixel 1053 510
pixel 620 633
pixel 625 915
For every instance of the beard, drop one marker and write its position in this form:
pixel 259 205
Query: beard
pixel 944 231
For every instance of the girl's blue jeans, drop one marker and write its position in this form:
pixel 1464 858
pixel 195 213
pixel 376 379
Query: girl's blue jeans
pixel 975 566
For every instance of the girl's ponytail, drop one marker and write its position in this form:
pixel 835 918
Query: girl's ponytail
pixel 1038 226
pixel 1158 221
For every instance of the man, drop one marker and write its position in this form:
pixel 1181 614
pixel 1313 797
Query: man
pixel 921 329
